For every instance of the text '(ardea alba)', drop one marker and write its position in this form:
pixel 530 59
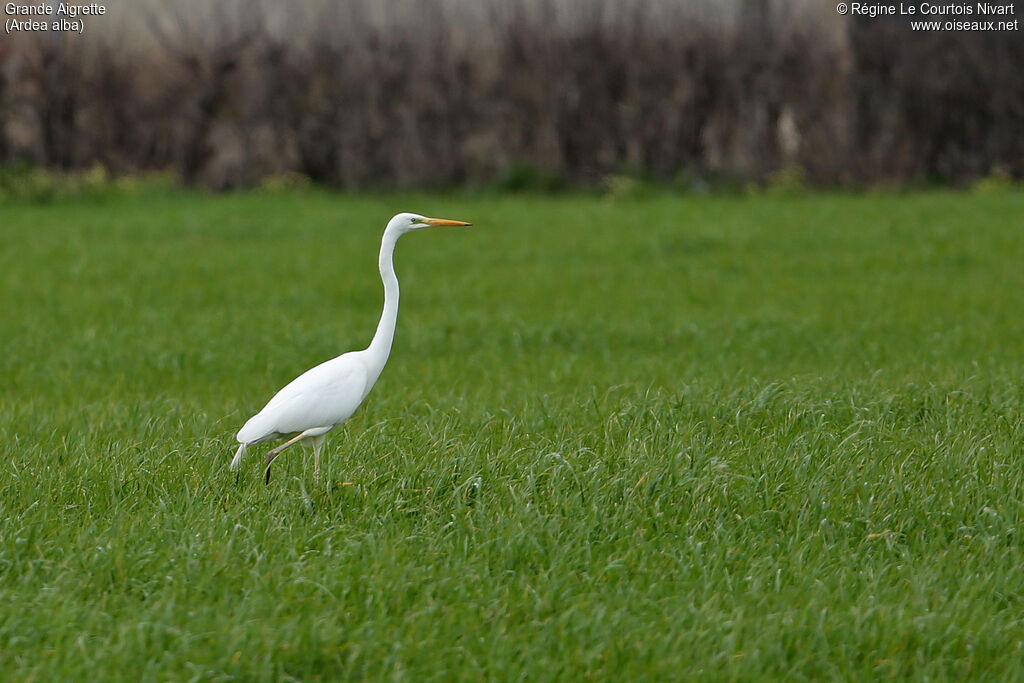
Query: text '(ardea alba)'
pixel 323 397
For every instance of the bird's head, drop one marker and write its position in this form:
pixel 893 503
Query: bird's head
pixel 406 222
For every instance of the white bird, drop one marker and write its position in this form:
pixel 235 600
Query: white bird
pixel 323 397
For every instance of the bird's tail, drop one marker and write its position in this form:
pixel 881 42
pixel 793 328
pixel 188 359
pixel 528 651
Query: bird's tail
pixel 239 454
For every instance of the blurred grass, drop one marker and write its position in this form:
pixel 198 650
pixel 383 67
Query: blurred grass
pixel 638 438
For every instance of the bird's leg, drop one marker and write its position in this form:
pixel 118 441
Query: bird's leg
pixel 277 451
pixel 318 444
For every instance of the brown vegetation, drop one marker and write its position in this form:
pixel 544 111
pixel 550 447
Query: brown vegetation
pixel 441 94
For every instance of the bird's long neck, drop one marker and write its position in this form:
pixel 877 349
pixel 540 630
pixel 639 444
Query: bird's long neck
pixel 380 348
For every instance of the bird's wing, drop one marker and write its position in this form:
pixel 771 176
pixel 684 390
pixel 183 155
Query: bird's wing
pixel 323 396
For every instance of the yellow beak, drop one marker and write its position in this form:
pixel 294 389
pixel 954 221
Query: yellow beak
pixel 444 221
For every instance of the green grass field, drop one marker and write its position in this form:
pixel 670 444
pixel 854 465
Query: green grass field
pixel 715 438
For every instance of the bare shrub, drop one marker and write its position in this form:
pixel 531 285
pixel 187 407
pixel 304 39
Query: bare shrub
pixel 441 92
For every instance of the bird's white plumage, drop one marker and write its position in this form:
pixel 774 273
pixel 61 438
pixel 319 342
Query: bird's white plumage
pixel 319 398
pixel 325 396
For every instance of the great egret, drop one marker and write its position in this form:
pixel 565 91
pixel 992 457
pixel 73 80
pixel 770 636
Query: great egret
pixel 323 397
